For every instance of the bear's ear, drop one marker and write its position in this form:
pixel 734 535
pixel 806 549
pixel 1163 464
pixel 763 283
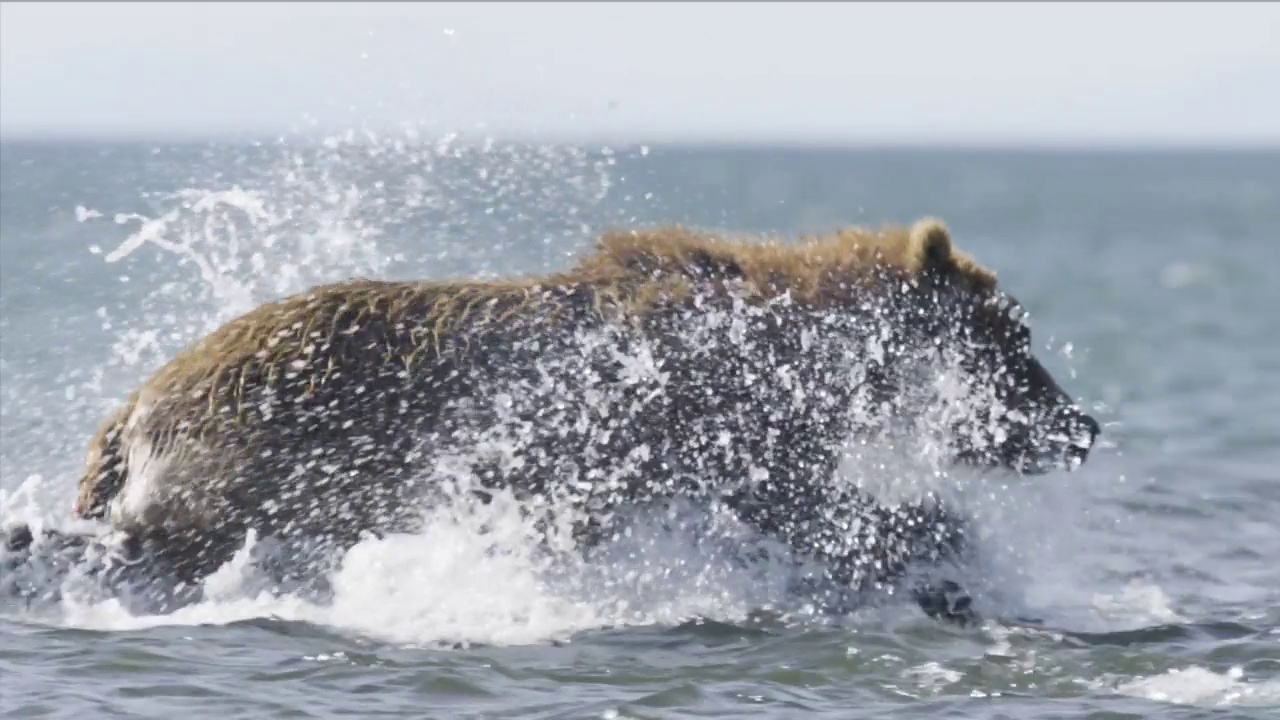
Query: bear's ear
pixel 931 247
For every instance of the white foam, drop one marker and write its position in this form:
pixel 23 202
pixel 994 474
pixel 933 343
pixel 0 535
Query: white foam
pixel 933 677
pixel 1199 686
pixel 36 502
pixel 83 213
pixel 476 577
pixel 1138 603
pixel 448 585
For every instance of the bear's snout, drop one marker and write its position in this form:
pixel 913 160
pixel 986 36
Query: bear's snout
pixel 1084 433
pixel 1068 441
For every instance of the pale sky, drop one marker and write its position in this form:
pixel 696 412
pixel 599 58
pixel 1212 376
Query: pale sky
pixel 835 72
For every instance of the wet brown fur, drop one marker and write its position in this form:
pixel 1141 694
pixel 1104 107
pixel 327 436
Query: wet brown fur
pixel 627 274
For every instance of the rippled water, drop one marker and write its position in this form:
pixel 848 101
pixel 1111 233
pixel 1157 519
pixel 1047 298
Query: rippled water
pixel 1149 280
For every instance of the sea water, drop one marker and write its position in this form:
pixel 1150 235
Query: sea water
pixel 1149 279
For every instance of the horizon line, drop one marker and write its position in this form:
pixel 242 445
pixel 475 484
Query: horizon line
pixel 1029 144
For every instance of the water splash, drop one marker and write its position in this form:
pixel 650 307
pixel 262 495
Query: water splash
pixel 290 216
pixel 386 206
pixel 1203 687
pixel 480 575
pixel 274 219
pixel 248 224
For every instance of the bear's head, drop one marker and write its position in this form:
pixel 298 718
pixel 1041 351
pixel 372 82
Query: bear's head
pixel 1011 411
pixel 933 308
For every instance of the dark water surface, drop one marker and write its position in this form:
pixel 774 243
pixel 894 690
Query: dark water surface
pixel 1151 283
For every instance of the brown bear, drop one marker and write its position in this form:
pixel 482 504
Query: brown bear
pixel 666 361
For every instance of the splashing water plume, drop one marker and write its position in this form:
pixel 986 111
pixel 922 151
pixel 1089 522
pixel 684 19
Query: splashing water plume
pixel 303 214
pixel 356 205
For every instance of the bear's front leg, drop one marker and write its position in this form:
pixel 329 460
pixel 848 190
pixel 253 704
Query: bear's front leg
pixel 945 600
pixel 862 544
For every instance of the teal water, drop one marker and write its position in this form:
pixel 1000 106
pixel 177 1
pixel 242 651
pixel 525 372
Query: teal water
pixel 1150 282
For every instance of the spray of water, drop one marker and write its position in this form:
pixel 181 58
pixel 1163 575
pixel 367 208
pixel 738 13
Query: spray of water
pixel 362 205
